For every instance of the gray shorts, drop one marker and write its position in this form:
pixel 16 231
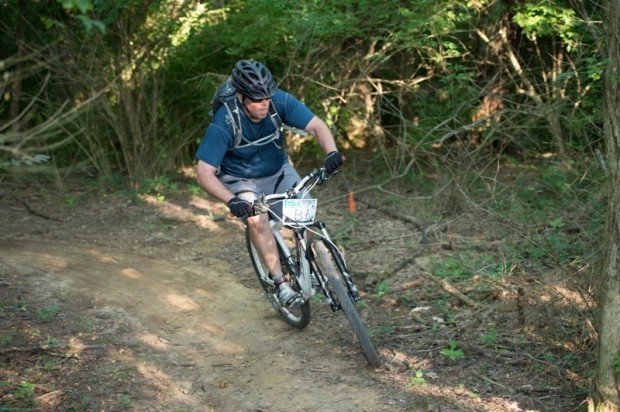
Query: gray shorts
pixel 253 188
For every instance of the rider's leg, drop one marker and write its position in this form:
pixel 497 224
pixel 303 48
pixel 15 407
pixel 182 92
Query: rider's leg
pixel 264 242
pixel 260 231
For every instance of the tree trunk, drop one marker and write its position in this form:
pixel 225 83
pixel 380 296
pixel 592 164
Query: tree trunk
pixel 605 393
pixel 16 86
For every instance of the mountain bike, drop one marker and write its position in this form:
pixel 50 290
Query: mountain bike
pixel 310 260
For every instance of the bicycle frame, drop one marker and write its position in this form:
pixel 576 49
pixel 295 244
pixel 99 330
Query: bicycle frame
pixel 314 256
pixel 305 263
pixel 301 244
pixel 304 251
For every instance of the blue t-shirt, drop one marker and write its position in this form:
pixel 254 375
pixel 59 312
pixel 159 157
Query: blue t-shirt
pixel 251 161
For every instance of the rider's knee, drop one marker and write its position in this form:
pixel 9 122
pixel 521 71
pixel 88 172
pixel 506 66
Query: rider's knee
pixel 258 223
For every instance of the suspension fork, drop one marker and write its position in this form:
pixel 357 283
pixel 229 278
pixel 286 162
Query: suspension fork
pixel 340 262
pixel 302 265
pixel 320 277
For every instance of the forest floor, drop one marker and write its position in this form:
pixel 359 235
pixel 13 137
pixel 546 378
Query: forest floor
pixel 119 300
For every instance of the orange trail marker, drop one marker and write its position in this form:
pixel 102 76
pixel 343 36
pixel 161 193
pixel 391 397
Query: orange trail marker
pixel 351 203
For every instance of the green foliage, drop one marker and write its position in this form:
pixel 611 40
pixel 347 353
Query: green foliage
pixel 125 400
pixel 453 352
pixel 21 305
pixel 538 19
pixel 50 341
pixel 417 69
pixel 159 185
pixel 455 267
pixel 382 289
pixel 6 340
pixel 86 325
pixel 417 378
pixel 489 337
pixel 195 189
pixel 47 314
pixel 25 390
pixel 81 7
pixel 541 205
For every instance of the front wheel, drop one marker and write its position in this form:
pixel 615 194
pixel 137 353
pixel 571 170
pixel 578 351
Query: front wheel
pixel 327 261
pixel 298 317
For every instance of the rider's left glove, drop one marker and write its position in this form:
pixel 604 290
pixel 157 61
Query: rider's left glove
pixel 239 207
pixel 333 161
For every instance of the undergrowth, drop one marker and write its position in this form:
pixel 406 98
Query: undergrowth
pixel 521 247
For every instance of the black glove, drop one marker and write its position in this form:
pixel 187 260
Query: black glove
pixel 333 161
pixel 239 207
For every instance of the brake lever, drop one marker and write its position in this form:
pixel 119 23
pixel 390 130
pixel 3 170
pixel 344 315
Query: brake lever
pixel 324 177
pixel 258 207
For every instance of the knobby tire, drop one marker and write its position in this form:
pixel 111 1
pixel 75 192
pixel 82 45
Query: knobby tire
pixel 326 259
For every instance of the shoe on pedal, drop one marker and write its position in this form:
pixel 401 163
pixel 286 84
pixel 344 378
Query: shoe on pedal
pixel 287 296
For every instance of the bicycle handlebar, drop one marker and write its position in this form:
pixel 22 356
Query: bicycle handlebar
pixel 320 174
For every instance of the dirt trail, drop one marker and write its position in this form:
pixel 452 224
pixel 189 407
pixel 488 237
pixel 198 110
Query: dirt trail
pixel 207 340
pixel 152 304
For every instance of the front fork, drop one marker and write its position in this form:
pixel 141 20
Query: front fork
pixel 341 266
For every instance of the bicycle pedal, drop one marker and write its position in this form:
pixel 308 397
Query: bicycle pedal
pixel 296 302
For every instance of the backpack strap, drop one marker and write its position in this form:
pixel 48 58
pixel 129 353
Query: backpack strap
pixel 274 116
pixel 235 121
pixel 241 141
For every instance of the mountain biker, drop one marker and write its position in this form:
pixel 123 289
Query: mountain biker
pixel 237 175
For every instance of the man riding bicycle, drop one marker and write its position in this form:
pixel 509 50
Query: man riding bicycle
pixel 238 172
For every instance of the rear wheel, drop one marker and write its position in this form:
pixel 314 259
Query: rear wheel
pixel 298 317
pixel 328 262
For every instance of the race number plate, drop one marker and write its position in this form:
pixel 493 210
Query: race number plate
pixel 298 212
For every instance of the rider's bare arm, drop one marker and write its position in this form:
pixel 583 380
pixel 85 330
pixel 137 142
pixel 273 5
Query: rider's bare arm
pixel 323 135
pixel 205 174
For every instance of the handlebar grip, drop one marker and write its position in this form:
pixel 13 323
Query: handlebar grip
pixel 325 176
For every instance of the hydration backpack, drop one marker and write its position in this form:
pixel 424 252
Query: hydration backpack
pixel 226 95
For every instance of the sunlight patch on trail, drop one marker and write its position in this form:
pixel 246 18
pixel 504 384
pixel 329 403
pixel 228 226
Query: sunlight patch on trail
pixel 103 258
pixel 226 347
pixel 182 302
pixel 162 381
pixel 205 293
pixel 56 261
pixel 154 341
pixel 131 273
pixel 214 329
pixel 179 214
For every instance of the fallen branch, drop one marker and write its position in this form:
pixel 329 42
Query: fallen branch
pixel 505 355
pixel 408 285
pixel 38 213
pixel 49 398
pixel 493 382
pixel 45 348
pixel 450 289
pixel 394 215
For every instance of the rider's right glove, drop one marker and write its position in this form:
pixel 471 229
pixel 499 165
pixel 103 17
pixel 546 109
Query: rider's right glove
pixel 239 207
pixel 333 161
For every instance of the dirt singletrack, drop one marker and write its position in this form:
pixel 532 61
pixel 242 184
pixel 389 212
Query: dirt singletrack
pixel 118 300
pixel 202 334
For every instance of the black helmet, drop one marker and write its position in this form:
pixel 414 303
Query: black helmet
pixel 253 79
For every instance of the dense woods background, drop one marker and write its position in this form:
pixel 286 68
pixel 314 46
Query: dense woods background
pixel 442 94
pixel 124 86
